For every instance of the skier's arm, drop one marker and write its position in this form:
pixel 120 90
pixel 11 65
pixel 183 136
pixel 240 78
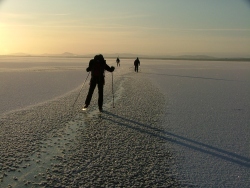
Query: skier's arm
pixel 108 68
pixel 90 65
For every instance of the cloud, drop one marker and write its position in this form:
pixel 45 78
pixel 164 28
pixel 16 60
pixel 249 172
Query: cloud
pixel 217 29
pixel 33 15
pixel 116 17
pixel 248 2
pixel 54 14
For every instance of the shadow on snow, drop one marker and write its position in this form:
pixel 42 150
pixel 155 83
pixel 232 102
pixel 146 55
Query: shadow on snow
pixel 180 140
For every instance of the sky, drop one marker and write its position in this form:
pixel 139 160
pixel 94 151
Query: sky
pixel 218 28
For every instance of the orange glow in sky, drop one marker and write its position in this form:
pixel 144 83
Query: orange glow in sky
pixel 146 27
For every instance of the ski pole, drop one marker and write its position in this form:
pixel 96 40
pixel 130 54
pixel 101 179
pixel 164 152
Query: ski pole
pixel 113 91
pixel 80 91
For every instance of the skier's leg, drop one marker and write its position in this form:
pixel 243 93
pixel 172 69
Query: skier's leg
pixel 100 92
pixel 91 91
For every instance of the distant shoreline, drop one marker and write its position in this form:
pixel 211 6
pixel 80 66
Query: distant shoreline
pixel 121 57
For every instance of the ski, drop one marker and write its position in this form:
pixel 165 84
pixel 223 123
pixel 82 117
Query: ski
pixel 85 109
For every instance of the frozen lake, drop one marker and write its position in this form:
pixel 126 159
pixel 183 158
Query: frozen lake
pixel 207 112
pixel 29 81
pixel 208 117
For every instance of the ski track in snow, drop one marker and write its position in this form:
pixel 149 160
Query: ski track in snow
pixel 183 124
pixel 55 145
pixel 208 116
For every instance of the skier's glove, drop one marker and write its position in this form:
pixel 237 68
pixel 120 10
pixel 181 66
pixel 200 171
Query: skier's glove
pixel 88 69
pixel 112 69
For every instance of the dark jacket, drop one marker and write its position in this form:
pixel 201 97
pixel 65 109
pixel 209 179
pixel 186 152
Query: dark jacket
pixel 97 66
pixel 137 62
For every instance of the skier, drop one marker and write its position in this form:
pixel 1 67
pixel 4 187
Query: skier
pixel 118 61
pixel 136 64
pixel 97 66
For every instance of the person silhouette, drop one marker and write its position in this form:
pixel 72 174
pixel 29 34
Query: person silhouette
pixel 118 61
pixel 97 66
pixel 136 64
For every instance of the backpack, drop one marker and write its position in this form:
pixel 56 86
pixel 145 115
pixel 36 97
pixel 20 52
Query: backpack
pixel 98 68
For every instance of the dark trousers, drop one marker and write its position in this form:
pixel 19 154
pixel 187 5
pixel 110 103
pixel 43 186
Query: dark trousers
pixel 136 68
pixel 100 84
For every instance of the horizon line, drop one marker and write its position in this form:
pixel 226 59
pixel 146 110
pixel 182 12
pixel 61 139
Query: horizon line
pixel 128 55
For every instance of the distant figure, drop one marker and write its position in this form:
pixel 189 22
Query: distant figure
pixel 118 61
pixel 136 64
pixel 97 66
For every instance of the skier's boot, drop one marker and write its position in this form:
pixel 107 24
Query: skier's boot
pixel 85 107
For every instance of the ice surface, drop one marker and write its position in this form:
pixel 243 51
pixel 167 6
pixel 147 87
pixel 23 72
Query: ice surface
pixel 29 81
pixel 207 113
pixel 208 116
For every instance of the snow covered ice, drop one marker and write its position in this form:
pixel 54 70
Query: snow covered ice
pixel 208 116
pixel 184 123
